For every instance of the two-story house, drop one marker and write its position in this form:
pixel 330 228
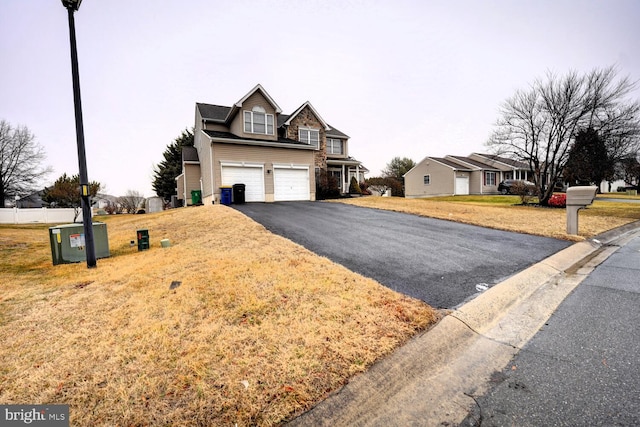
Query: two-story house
pixel 276 156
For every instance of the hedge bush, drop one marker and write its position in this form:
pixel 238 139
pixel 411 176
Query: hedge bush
pixel 558 201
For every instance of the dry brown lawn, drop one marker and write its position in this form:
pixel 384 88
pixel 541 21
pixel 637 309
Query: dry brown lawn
pixel 259 329
pixel 501 212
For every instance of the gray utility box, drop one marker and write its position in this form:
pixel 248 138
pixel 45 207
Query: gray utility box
pixel 68 244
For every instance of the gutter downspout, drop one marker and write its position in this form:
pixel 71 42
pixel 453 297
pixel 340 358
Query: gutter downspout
pixel 211 169
pixel 184 188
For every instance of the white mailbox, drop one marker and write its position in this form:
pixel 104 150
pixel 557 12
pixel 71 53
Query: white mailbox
pixel 578 198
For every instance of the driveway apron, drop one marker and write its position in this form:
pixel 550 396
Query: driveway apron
pixel 441 262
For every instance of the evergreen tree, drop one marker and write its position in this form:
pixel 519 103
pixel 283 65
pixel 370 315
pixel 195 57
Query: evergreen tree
pixel 164 177
pixel 588 162
pixel 65 193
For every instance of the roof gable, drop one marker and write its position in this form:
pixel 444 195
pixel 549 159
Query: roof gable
pixel 313 110
pixel 259 88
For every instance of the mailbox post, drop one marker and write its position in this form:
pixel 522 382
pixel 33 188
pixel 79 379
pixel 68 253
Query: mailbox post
pixel 578 198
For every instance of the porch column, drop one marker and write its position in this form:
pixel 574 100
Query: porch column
pixel 342 184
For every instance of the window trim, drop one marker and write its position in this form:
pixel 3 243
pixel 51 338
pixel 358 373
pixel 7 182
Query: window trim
pixel 308 141
pixel 268 121
pixel 487 174
pixel 330 142
pixel 426 179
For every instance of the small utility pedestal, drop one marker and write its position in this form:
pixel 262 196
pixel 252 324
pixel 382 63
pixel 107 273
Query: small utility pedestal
pixel 578 198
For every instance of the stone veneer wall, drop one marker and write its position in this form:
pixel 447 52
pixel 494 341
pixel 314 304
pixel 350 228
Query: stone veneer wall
pixel 307 119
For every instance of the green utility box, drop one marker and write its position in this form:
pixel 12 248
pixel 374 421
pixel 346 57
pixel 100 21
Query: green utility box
pixel 196 197
pixel 143 239
pixel 68 242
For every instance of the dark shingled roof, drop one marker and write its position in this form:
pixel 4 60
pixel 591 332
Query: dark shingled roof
pixel 190 154
pixel 229 135
pixel 283 118
pixel 450 163
pixel 507 161
pixel 220 112
pixel 474 162
pixel 213 112
pixel 335 132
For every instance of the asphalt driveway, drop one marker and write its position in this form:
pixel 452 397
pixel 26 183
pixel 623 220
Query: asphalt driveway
pixel 437 261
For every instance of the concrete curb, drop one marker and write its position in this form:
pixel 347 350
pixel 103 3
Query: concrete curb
pixel 432 379
pixel 484 311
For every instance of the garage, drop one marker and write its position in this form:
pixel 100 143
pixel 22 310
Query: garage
pixel 462 185
pixel 252 176
pixel 291 183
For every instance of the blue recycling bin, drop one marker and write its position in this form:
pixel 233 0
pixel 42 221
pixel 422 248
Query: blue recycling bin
pixel 225 195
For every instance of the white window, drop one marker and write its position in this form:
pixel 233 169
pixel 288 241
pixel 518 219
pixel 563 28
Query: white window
pixel 334 146
pixel 309 136
pixel 258 121
pixel 490 178
pixel 427 179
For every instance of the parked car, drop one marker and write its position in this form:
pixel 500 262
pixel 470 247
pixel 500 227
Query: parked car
pixel 506 186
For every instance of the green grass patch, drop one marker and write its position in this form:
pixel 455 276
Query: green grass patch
pixel 494 199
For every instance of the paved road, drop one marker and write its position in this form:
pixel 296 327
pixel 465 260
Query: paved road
pixel 581 369
pixel 604 199
pixel 439 262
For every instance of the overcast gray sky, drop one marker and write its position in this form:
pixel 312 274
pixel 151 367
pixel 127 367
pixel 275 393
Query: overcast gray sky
pixel 401 78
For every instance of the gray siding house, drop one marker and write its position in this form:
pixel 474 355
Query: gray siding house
pixel 459 175
pixel 277 156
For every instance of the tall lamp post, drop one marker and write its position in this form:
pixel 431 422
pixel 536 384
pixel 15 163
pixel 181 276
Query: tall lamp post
pixel 72 6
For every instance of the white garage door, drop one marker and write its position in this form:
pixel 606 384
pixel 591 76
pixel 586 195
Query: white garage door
pixel 291 184
pixel 462 185
pixel 251 176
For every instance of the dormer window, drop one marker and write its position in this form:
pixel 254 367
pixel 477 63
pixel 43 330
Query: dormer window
pixel 258 121
pixel 309 136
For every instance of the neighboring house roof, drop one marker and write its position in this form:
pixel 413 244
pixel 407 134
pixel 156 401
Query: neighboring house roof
pixel 450 163
pixel 33 200
pixel 505 161
pixel 474 163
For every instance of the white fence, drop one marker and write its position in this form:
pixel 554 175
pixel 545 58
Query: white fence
pixel 38 215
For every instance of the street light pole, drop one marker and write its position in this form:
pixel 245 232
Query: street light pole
pixel 72 6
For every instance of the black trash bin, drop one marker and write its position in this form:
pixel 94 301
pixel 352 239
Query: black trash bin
pixel 238 193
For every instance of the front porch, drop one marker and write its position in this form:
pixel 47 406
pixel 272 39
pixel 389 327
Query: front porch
pixel 344 170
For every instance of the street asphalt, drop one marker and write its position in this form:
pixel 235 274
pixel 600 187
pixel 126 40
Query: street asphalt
pixel 581 368
pixel 440 262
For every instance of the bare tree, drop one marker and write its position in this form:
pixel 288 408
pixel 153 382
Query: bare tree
pixel 20 161
pixel 539 125
pixel 131 201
